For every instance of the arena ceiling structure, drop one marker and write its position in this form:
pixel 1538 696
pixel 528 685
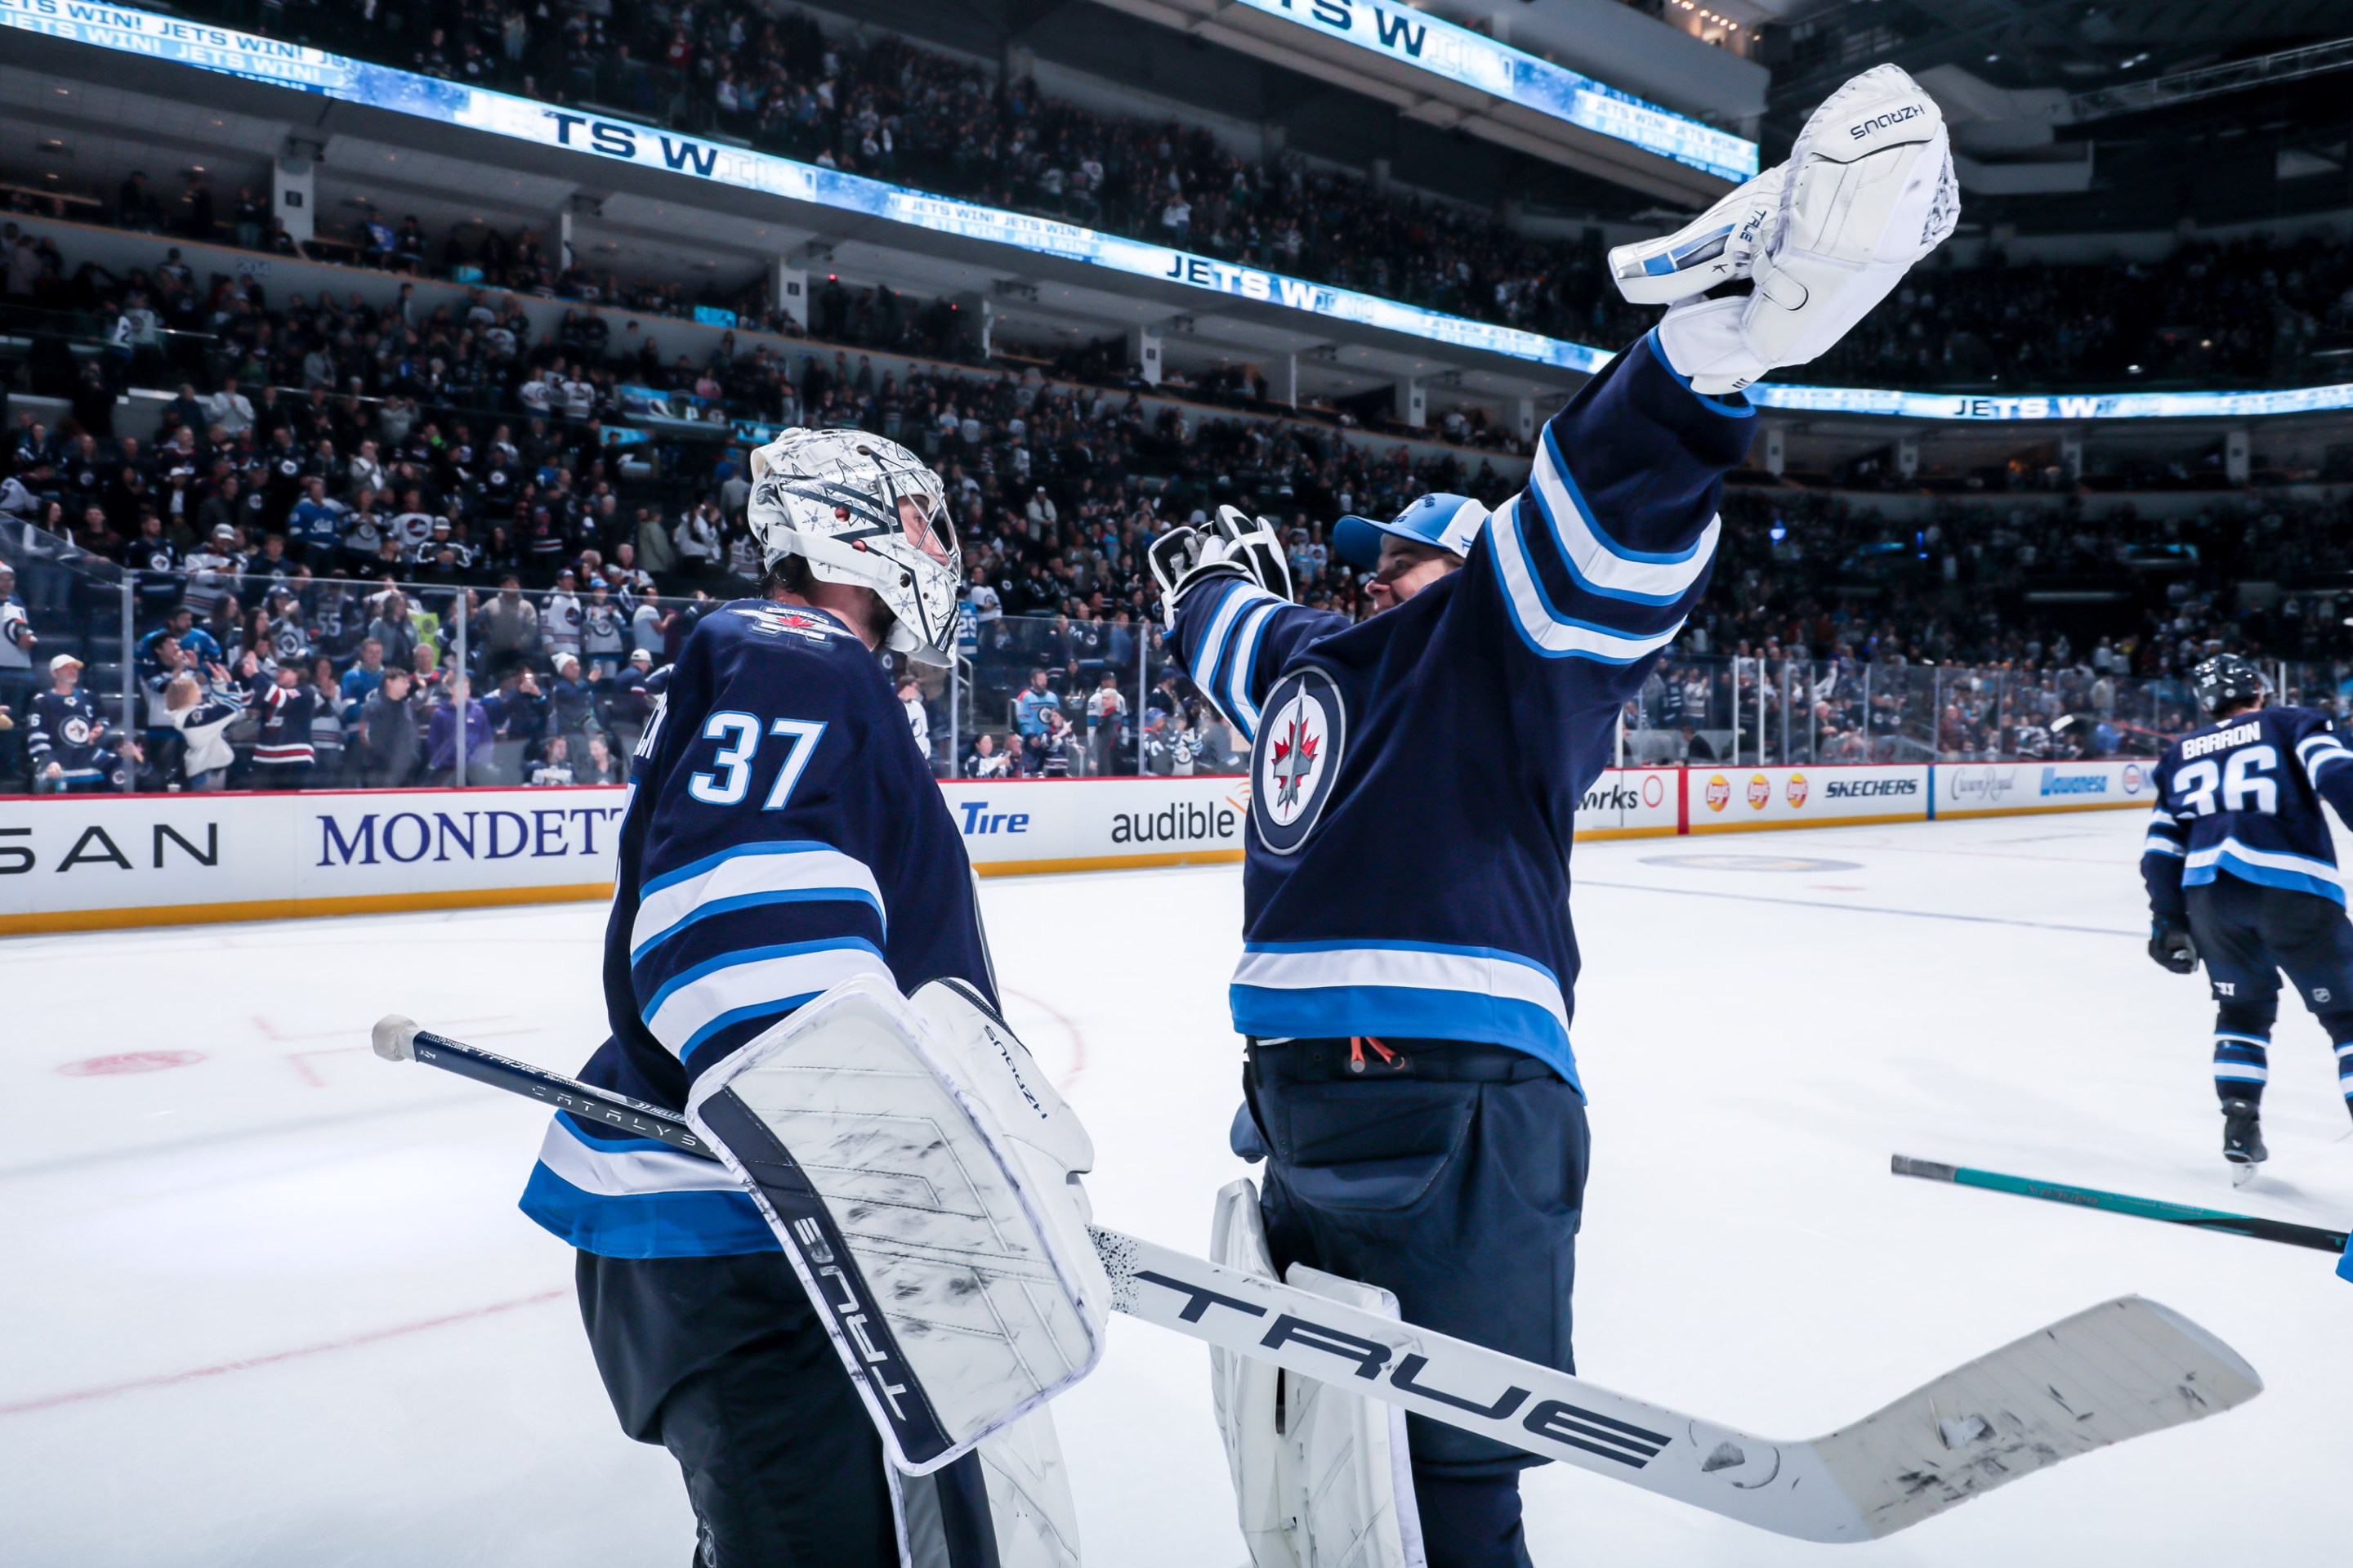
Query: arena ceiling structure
pixel 2076 117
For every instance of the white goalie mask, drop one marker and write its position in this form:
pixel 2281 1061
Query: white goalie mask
pixel 864 510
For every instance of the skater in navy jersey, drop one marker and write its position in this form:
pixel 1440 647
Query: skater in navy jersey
pixel 2242 876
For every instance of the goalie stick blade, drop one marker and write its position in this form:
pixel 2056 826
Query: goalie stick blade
pixel 2120 1369
pixel 2117 1371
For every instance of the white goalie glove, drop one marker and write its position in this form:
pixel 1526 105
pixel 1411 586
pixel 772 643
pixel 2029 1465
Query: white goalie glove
pixel 1233 545
pixel 1867 192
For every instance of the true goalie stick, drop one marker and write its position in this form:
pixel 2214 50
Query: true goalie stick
pixel 2119 1370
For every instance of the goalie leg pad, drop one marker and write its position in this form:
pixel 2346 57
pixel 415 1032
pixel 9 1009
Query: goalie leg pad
pixel 932 1242
pixel 1322 1477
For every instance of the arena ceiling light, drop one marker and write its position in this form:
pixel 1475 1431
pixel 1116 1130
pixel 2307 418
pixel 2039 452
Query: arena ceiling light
pixel 276 63
pixel 1446 75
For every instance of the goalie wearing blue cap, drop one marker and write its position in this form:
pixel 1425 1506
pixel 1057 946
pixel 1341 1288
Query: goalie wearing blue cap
pixel 1408 965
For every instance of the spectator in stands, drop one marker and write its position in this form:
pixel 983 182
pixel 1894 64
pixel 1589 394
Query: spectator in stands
pixel 200 717
pixel 283 757
pixel 518 715
pixel 135 206
pixel 599 766
pixel 1106 712
pixel 229 408
pixel 508 626
pixel 68 733
pixel 985 762
pixel 360 682
pixel 572 701
pixel 697 539
pixel 919 719
pixel 443 731
pixel 17 639
pixel 196 206
pixel 395 629
pixel 328 707
pixel 555 764
pixel 1054 751
pixel 1029 710
pixel 384 743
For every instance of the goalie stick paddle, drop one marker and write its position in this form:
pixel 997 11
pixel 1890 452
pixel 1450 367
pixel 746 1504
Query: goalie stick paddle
pixel 2313 1237
pixel 2116 1370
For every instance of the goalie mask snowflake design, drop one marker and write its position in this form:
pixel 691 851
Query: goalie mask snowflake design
pixel 864 510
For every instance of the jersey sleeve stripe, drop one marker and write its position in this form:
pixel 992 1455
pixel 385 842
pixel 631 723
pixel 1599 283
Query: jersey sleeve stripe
pixel 2317 751
pixel 792 872
pixel 700 1001
pixel 1545 629
pixel 2155 846
pixel 1599 564
pixel 1209 659
pixel 1243 665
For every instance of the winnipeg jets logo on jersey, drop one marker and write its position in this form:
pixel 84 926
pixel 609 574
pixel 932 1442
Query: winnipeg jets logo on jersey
pixel 1298 758
pixel 781 619
pixel 1295 755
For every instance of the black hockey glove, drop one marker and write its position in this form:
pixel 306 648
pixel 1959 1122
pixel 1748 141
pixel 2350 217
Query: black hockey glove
pixel 2170 947
pixel 1254 544
pixel 1232 547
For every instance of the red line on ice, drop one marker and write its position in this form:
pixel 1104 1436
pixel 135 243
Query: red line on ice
pixel 168 1379
pixel 1078 1039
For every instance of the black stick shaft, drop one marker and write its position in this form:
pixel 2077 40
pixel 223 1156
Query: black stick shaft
pixel 617 1113
pixel 2283 1231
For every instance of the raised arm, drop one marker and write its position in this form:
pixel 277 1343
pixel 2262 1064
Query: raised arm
pixel 1603 556
pixel 1226 597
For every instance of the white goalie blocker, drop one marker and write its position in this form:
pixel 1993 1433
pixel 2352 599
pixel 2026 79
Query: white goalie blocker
pixel 1322 1478
pixel 923 1176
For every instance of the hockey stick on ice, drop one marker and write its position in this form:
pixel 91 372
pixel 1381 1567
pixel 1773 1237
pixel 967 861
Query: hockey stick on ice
pixel 2261 1229
pixel 2116 1370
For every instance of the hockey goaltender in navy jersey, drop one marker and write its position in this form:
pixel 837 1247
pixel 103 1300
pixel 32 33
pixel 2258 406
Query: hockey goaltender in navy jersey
pixel 1403 766
pixel 782 835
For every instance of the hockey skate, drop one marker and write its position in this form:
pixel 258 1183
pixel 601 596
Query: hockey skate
pixel 2242 1140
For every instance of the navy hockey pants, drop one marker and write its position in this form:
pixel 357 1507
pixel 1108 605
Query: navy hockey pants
pixel 722 1362
pixel 2246 934
pixel 1451 1175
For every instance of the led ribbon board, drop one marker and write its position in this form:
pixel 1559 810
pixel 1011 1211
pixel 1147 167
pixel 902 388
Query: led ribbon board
pixel 1945 406
pixel 1423 42
pixel 279 64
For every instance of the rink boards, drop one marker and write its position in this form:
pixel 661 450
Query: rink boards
pixel 87 862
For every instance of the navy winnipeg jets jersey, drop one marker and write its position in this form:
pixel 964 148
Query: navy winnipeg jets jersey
pixel 783 835
pixel 1416 776
pixel 2242 796
pixel 67 730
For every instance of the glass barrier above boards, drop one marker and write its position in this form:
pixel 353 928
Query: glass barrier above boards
pixel 206 671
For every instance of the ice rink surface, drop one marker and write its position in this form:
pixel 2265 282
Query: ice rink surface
pixel 268 1301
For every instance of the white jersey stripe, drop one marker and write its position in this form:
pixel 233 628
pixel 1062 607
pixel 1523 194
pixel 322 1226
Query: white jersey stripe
pixel 683 1014
pixel 628 1173
pixel 1551 637
pixel 748 872
pixel 1408 968
pixel 1597 561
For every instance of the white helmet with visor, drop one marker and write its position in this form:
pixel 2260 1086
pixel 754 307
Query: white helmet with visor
pixel 864 510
